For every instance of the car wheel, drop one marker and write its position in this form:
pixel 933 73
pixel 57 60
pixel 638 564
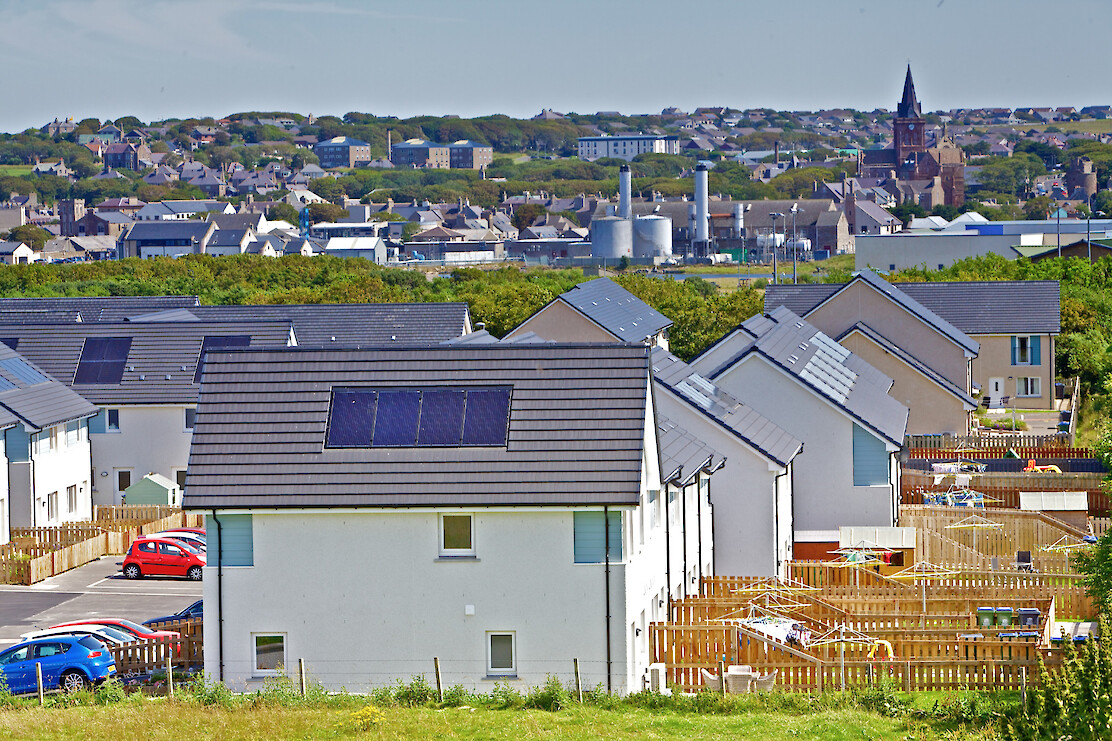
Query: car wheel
pixel 195 573
pixel 73 681
pixel 131 571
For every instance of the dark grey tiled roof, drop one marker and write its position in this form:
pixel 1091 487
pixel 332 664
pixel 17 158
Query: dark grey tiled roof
pixel 821 364
pixel 754 430
pixel 576 429
pixel 682 454
pixel 160 364
pixel 616 310
pixel 228 237
pixel 974 307
pixel 911 360
pixel 36 400
pixel 90 308
pixel 159 230
pixel 994 307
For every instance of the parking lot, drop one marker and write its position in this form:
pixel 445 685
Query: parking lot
pixel 97 589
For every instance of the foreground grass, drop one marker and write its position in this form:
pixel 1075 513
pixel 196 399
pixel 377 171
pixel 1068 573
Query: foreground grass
pixel 171 721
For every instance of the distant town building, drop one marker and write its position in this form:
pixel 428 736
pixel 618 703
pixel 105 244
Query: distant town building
pixel 342 151
pixel 627 146
pixel 468 155
pixel 420 153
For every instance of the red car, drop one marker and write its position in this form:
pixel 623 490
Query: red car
pixel 163 557
pixel 195 530
pixel 141 632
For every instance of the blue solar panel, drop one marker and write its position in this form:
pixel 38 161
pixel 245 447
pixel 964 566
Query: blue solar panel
pixel 353 417
pixel 102 360
pixel 12 342
pixel 441 417
pixel 487 418
pixel 19 370
pixel 396 419
pixel 6 385
pixel 216 342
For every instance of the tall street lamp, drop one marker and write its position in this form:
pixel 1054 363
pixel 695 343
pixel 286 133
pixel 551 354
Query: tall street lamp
pixel 795 246
pixel 774 217
pixel 1058 216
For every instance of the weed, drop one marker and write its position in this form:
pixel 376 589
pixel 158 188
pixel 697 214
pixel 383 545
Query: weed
pixel 109 692
pixel 505 696
pixel 363 719
pixel 458 695
pixel 552 696
pixel 415 694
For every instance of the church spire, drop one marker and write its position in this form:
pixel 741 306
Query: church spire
pixel 909 106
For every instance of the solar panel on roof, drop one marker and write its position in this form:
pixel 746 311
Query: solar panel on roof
pixel 22 371
pixel 102 360
pixel 441 417
pixel 396 419
pixel 487 418
pixel 11 342
pixel 6 385
pixel 352 419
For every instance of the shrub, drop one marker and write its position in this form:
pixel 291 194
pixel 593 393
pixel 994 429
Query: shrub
pixel 881 698
pixel 109 692
pixel 416 693
pixel 205 692
pixel 505 696
pixel 458 695
pixel 552 696
pixel 364 719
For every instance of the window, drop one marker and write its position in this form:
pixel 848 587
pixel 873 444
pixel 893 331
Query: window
pixel 234 541
pixel 457 535
pixel 71 499
pixel 501 654
pixel 270 653
pixel 52 505
pixel 113 419
pixel 218 343
pixel 53 437
pixel 147 547
pixel 870 459
pixel 123 479
pixel 590 537
pixel 190 418
pixel 179 477
pixel 654 505
pixel 73 433
pixel 102 360
pixel 1026 351
pixel 172 551
pixel 1031 386
pixel 419 417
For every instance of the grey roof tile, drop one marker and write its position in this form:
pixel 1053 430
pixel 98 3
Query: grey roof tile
pixel 87 308
pixel 616 310
pixel 682 454
pixel 576 429
pixel 33 397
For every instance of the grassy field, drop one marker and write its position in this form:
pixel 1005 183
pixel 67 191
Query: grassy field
pixel 172 721
pixel 15 170
pixel 726 277
pixel 1089 126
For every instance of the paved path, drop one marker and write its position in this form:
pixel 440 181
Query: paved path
pixel 96 589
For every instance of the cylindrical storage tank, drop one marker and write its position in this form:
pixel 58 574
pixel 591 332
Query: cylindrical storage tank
pixel 625 192
pixel 702 204
pixel 611 238
pixel 652 236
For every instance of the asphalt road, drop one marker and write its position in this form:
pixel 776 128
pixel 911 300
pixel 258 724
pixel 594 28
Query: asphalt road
pixel 94 590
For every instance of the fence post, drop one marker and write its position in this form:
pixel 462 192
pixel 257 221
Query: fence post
pixel 578 682
pixel 38 681
pixel 907 676
pixel 301 675
pixel 170 669
pixel 439 686
pixel 722 676
pixel 1023 685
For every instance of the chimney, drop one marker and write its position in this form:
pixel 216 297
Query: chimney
pixel 739 219
pixel 702 205
pixel 625 188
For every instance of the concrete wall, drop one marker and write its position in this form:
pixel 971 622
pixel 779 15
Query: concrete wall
pixel 746 528
pixel 562 323
pixel 823 494
pixel 932 250
pixel 995 361
pixel 150 440
pixel 860 302
pixel 932 408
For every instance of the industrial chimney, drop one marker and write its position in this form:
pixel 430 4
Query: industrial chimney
pixel 625 195
pixel 702 207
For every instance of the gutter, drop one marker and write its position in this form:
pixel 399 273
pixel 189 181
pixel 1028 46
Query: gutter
pixel 220 590
pixel 606 538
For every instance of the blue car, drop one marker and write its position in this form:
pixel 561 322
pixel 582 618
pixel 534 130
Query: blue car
pixel 194 611
pixel 69 663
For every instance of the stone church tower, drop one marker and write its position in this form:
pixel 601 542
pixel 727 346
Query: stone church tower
pixel 909 126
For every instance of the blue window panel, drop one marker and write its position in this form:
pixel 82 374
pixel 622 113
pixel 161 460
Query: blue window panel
pixel 870 459
pixel 102 360
pixel 396 419
pixel 217 342
pixel 21 371
pixel 441 417
pixel 590 536
pixel 1036 353
pixel 234 540
pixel 17 444
pixel 1015 343
pixel 352 419
pixel 99 423
pixel 487 418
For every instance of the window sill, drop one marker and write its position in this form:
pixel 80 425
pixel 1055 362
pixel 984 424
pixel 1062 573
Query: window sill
pixel 444 559
pixel 498 677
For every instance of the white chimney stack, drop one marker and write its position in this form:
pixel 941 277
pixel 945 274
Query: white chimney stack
pixel 625 193
pixel 702 205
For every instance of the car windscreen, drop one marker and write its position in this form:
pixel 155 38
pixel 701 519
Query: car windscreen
pixel 187 546
pixel 134 626
pixel 91 643
pixel 120 635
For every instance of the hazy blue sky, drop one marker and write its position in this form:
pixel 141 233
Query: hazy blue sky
pixel 174 58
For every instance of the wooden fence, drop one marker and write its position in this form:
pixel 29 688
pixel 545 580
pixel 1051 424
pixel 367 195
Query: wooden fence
pixel 1002 489
pixel 1054 446
pixel 940 543
pixel 1100 525
pixel 141 658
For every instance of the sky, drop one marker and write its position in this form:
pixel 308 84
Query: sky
pixel 158 59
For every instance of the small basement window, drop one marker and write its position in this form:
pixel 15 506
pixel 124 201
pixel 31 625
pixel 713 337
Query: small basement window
pixel 270 653
pixel 501 654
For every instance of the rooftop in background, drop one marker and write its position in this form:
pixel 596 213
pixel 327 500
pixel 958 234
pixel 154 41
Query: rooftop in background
pixel 616 310
pixel 30 397
pixel 575 432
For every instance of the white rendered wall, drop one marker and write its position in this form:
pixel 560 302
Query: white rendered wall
pixel 150 440
pixel 5 525
pixel 54 471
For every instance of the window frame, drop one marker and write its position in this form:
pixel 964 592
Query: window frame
pixel 443 550
pixel 260 671
pixel 52 505
pixel 186 426
pixel 71 498
pixel 130 479
pixel 492 671
pixel 1027 382
pixel 108 415
pixel 1023 346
